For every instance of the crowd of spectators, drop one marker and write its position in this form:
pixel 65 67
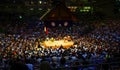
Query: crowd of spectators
pixel 21 46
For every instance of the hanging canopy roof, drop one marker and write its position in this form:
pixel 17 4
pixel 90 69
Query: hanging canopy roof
pixel 59 12
pixel 60 15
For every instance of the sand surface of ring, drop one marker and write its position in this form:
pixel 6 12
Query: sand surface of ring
pixel 58 43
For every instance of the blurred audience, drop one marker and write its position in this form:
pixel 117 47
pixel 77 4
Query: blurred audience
pixel 90 47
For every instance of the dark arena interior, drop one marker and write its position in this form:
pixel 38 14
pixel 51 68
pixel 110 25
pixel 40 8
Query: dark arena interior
pixel 60 35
